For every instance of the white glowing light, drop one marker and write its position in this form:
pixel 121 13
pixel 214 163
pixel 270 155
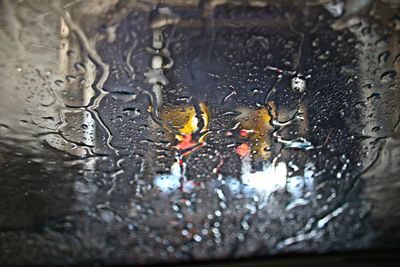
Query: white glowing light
pixel 169 182
pixel 270 179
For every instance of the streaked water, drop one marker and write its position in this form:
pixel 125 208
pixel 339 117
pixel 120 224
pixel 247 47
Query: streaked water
pixel 137 132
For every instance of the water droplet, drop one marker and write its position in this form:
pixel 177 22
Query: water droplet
pixel 324 56
pixel 131 113
pixel 59 83
pixel 70 78
pixel 383 57
pixel 376 128
pixel 80 67
pixel 298 84
pixel 388 76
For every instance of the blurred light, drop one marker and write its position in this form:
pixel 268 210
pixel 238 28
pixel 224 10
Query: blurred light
pixel 169 182
pixel 270 179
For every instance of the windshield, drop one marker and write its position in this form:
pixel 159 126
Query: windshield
pixel 139 132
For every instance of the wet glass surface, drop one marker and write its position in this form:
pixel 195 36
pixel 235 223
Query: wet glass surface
pixel 140 132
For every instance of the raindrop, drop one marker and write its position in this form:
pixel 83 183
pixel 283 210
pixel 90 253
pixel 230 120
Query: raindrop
pixel 383 57
pixel 374 95
pixel 131 113
pixel 228 96
pixel 376 128
pixel 298 84
pixel 197 238
pixel 388 76
pixel 70 78
pixel 256 91
pixel 71 53
pixel 59 83
pixel 324 56
pixel 80 67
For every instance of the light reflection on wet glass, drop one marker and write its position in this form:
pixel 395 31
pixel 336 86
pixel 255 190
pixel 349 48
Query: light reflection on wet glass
pixel 141 132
